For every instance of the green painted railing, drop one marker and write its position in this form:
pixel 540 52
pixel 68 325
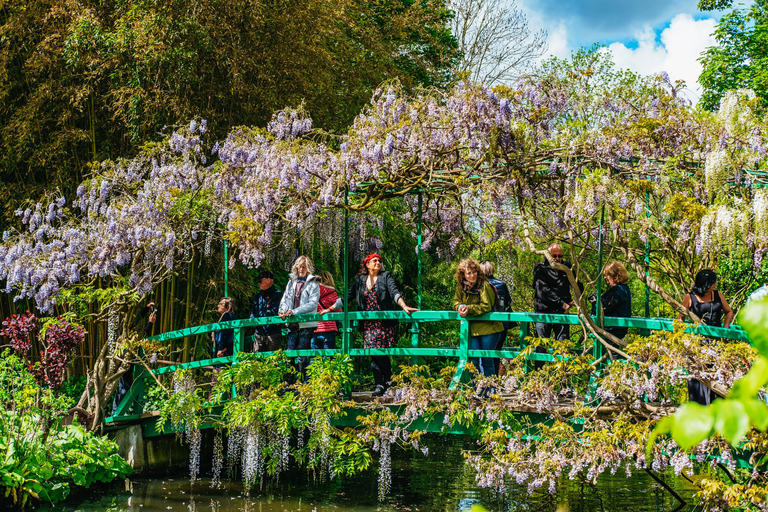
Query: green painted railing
pixel 462 352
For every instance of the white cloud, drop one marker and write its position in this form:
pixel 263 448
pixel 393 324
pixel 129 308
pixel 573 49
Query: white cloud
pixel 681 46
pixel 557 30
pixel 557 42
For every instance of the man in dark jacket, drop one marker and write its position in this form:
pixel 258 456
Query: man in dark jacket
pixel 553 295
pixel 267 338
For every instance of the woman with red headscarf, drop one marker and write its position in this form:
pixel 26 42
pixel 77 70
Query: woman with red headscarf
pixel 374 289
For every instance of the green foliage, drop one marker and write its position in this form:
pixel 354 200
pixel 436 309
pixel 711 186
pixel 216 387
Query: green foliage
pixel 711 5
pixel 732 417
pixel 753 319
pixel 737 277
pixel 154 396
pixel 182 406
pixel 740 59
pixel 73 388
pixel 590 76
pixel 48 471
pixel 80 298
pixel 41 459
pixel 142 65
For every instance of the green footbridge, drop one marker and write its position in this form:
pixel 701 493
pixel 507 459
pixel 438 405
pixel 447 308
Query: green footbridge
pixel 130 410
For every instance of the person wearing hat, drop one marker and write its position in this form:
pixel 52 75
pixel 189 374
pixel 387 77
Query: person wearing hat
pixel 374 289
pixel 267 338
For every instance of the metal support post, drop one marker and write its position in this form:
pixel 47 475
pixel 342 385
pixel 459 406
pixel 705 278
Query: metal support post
pixel 415 325
pixel 237 347
pixel 226 269
pixel 647 264
pixel 647 332
pixel 464 334
pixel 346 334
pixel 525 331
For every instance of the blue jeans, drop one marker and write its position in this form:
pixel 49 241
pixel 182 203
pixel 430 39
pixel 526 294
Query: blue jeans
pixel 299 340
pixel 323 340
pixel 485 365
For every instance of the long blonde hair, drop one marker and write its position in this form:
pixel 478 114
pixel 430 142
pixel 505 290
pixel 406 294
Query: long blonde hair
pixel 306 261
pixel 326 279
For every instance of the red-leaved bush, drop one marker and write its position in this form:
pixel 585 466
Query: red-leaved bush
pixel 20 329
pixel 61 340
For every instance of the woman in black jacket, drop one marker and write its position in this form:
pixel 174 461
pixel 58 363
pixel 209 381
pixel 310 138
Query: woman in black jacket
pixel 223 341
pixel 616 301
pixel 374 289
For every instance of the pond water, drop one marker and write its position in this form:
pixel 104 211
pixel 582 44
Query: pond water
pixel 439 482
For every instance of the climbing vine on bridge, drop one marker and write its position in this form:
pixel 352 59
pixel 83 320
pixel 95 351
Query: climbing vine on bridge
pixel 566 420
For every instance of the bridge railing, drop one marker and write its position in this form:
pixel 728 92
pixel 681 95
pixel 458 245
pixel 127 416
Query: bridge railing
pixel 461 352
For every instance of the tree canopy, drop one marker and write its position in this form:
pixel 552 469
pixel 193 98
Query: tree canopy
pixel 740 58
pixel 83 81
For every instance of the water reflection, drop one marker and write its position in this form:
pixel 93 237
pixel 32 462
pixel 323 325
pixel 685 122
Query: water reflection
pixel 436 483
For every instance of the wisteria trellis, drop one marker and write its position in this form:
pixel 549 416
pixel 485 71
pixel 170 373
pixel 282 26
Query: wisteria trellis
pixel 537 159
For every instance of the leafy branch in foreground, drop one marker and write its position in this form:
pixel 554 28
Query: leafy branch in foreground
pixel 566 419
pixel 741 419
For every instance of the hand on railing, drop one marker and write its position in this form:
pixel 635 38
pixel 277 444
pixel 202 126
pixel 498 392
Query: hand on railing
pixel 408 309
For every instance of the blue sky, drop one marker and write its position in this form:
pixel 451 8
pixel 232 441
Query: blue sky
pixel 647 36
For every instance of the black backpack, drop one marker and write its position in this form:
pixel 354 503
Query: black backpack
pixel 500 307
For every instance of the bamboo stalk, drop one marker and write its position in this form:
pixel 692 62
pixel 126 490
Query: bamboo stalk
pixel 171 296
pixel 171 290
pixel 161 305
pixel 188 307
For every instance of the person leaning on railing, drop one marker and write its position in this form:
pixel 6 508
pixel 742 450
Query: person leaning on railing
pixel 374 289
pixel 223 340
pixel 710 305
pixel 475 296
pixel 266 303
pixel 552 295
pixel 301 296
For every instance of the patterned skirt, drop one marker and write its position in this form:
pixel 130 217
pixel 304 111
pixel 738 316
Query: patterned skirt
pixel 377 334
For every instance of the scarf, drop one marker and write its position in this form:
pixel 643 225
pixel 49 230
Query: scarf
pixel 471 287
